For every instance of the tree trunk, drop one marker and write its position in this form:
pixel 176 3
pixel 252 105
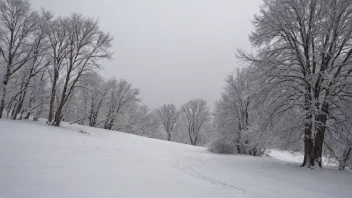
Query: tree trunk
pixel 35 118
pixel 58 116
pixel 319 136
pixel 315 148
pixel 169 136
pixel 59 112
pixel 52 97
pixel 196 139
pixel 318 147
pixel 8 73
pixel 307 128
pixel 13 110
pixel 64 98
pixel 9 106
pixel 20 102
pixel 4 84
pixel 343 162
pixel 21 116
pixel 92 115
pixel 27 116
pixel 92 122
pixel 191 139
pixel 109 124
pixel 238 148
pixel 307 131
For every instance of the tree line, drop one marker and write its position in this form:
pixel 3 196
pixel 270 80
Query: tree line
pixel 50 69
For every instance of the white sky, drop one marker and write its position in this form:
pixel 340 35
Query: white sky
pixel 173 50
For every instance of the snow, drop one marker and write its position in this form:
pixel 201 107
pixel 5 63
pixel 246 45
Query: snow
pixel 286 156
pixel 297 157
pixel 39 161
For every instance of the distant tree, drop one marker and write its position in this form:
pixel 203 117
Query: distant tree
pixel 139 120
pixel 121 95
pixel 168 116
pixel 195 115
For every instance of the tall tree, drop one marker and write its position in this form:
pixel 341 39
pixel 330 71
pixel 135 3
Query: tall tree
pixel 57 34
pixel 18 23
pixel 87 45
pixel 305 52
pixel 40 59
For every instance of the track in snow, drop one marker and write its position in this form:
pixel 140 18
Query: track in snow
pixel 188 170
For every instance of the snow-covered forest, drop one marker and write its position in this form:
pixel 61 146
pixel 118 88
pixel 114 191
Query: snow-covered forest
pixel 293 93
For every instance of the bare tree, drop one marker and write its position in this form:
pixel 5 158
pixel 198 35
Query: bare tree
pixel 88 101
pixel 305 53
pixel 57 33
pixel 196 115
pixel 87 45
pixel 38 97
pixel 121 96
pixel 18 23
pixel 168 115
pixel 39 62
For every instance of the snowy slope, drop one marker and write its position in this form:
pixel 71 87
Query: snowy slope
pixel 39 161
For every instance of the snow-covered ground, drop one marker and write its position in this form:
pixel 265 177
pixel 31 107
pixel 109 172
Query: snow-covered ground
pixel 38 161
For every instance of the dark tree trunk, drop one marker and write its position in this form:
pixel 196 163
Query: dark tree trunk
pixel 13 110
pixel 93 115
pixel 4 84
pixel 109 124
pixel 169 136
pixel 307 132
pixel 318 147
pixel 92 121
pixel 52 97
pixel 305 158
pixel 58 117
pixel 307 128
pixel 27 116
pixel 319 136
pixel 346 155
pixel 35 119
pixel 238 149
pixel 21 116
pixel 193 142
pixel 310 152
pixel 20 102
pixel 64 98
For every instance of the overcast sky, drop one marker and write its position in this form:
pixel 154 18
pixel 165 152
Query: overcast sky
pixel 173 50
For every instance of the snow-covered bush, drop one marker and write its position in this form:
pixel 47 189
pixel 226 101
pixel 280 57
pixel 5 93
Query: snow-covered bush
pixel 225 144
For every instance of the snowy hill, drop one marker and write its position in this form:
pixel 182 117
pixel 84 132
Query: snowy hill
pixel 39 161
